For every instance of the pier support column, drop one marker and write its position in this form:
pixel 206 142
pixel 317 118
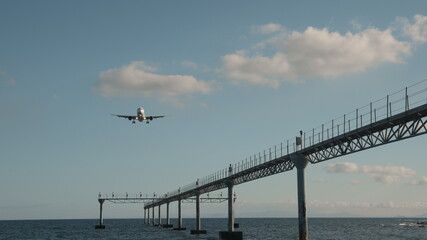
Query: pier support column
pixel 179 217
pixel 168 221
pixel 230 234
pixel 230 207
pixel 148 216
pixel 198 221
pixel 300 163
pixel 160 218
pixel 101 221
pixel 145 216
pixel 154 221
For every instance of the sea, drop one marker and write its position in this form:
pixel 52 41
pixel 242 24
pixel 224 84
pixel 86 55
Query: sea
pixel 252 228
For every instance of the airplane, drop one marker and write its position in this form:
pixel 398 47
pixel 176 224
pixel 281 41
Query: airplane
pixel 140 116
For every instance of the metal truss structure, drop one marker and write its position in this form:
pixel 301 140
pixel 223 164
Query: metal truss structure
pixel 205 200
pixel 129 200
pixel 266 169
pixel 153 199
pixel 407 124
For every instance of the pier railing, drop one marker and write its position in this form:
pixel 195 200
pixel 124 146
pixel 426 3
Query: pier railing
pixel 398 102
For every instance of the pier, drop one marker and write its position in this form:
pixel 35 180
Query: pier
pixel 113 198
pixel 394 118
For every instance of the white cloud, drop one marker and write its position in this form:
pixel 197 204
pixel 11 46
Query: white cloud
pixel 416 31
pixel 342 167
pixel 383 174
pixel 256 70
pixel 317 53
pixel 421 182
pixel 138 79
pixel 387 174
pixel 266 29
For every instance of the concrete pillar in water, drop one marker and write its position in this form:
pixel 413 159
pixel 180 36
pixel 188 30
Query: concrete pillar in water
pixel 230 207
pixel 168 221
pixel 101 221
pixel 160 217
pixel 179 217
pixel 198 221
pixel 148 213
pixel 154 221
pixel 300 163
pixel 145 216
pixel 230 234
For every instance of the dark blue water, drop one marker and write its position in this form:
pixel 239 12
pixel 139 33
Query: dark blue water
pixel 252 228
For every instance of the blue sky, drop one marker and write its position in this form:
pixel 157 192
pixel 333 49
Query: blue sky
pixel 234 78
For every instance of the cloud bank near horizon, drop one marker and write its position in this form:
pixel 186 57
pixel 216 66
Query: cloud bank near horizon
pixel 382 174
pixel 348 208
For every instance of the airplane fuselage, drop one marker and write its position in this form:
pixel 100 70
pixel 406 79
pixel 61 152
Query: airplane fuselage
pixel 140 114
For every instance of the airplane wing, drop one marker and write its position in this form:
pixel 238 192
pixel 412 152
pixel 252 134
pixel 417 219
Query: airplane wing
pixel 130 118
pixel 154 117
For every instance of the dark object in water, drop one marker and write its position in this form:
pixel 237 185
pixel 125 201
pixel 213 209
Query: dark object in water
pixel 422 224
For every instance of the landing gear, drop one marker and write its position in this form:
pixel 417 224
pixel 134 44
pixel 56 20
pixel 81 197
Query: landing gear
pixel 133 121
